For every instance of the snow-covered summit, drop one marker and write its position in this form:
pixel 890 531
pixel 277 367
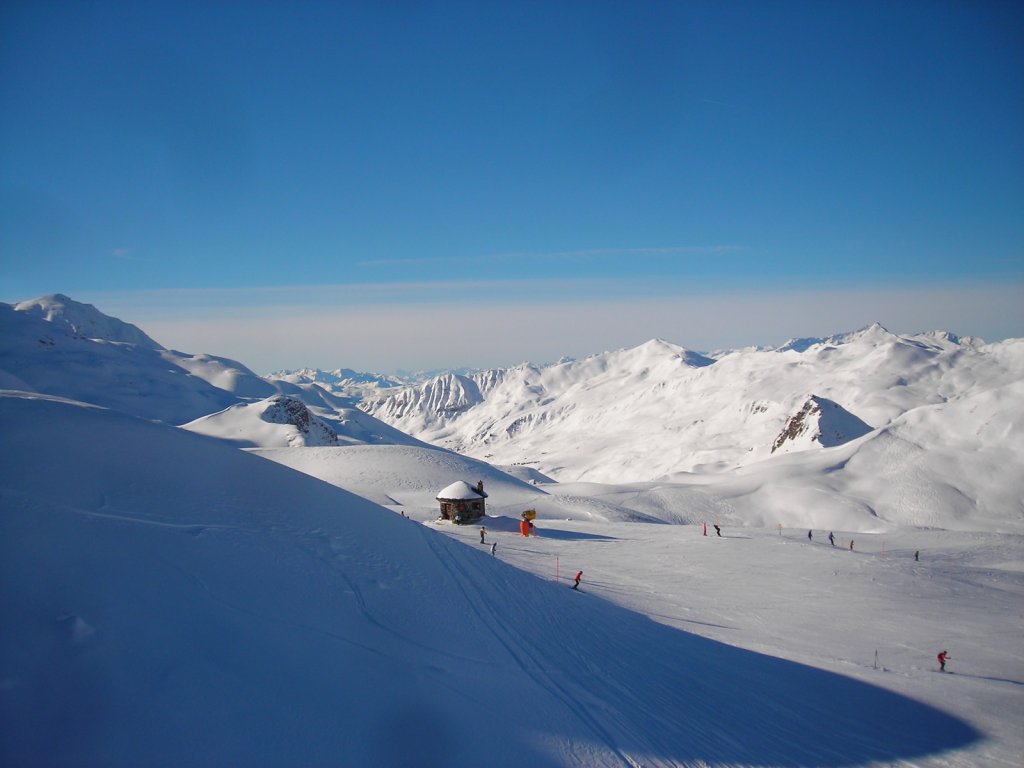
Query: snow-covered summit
pixel 656 409
pixel 85 320
pixel 38 354
pixel 57 346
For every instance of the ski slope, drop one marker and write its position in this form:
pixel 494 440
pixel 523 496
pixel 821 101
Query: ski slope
pixel 170 600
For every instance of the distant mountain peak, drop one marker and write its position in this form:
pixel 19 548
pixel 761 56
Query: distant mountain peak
pixel 875 333
pixel 85 320
pixel 660 348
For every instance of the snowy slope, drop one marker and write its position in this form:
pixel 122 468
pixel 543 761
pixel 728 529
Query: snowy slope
pixel 285 421
pixel 44 348
pixel 84 320
pixel 276 421
pixel 640 413
pixel 170 600
pixel 60 347
pixel 735 426
pixel 404 476
pixel 812 603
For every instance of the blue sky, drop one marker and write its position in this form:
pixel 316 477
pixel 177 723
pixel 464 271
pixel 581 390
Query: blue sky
pixel 406 185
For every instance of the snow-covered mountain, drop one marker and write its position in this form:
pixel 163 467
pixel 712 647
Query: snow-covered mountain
pixel 345 383
pixel 659 409
pixel 84 320
pixel 751 437
pixel 57 346
pixel 287 421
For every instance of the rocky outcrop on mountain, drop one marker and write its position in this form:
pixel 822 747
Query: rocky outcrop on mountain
pixel 819 423
pixel 311 431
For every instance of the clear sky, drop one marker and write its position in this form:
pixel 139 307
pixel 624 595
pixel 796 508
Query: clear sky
pixel 427 184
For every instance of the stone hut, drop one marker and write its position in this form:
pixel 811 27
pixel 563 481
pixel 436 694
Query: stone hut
pixel 461 502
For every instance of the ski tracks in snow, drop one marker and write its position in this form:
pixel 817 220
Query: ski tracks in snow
pixel 503 627
pixel 594 672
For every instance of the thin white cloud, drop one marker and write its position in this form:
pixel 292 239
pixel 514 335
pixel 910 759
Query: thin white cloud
pixel 690 250
pixel 585 253
pixel 411 261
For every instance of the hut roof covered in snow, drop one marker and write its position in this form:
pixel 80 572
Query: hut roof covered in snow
pixel 460 490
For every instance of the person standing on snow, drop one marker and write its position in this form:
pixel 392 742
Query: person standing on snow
pixel 483 532
pixel 831 539
pixel 579 575
pixel 943 655
pixel 810 536
pixel 717 529
pixel 494 546
pixel 705 528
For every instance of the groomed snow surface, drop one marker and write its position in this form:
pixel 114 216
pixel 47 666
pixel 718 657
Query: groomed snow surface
pixel 171 600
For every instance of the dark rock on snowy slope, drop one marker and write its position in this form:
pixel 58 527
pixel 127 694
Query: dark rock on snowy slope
pixel 289 410
pixel 820 422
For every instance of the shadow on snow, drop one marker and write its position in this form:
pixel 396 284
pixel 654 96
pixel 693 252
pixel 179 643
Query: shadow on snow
pixel 663 696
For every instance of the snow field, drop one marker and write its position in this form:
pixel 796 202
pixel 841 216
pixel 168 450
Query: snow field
pixel 171 600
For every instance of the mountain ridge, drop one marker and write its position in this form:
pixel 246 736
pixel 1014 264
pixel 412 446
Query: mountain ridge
pixel 655 404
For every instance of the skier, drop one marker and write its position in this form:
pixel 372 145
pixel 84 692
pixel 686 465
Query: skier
pixel 831 539
pixel 483 532
pixel 851 545
pixel 579 575
pixel 942 660
pixel 494 546
pixel 917 556
pixel 717 529
pixel 810 537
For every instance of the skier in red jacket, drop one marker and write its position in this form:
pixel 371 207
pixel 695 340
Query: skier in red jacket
pixel 943 655
pixel 579 575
